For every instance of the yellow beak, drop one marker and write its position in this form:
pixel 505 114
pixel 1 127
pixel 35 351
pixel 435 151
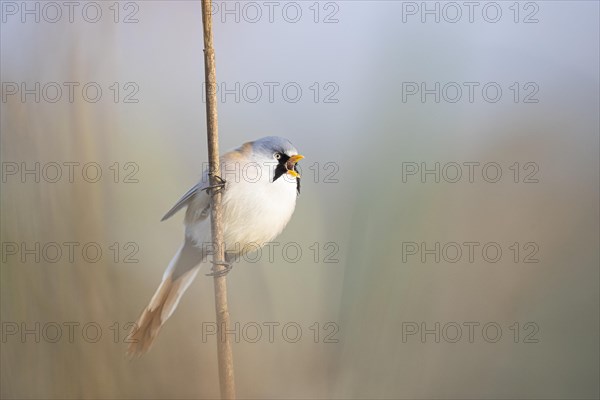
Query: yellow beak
pixel 295 159
pixel 290 165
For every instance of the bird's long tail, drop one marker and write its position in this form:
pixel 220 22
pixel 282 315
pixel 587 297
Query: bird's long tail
pixel 177 278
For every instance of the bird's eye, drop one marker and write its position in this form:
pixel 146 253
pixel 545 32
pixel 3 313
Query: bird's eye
pixel 277 156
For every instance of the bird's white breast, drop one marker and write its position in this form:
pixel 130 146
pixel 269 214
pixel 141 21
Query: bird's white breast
pixel 255 209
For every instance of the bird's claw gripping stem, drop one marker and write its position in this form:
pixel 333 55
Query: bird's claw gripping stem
pixel 218 274
pixel 218 186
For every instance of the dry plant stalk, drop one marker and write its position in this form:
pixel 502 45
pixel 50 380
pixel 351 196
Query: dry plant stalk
pixel 224 352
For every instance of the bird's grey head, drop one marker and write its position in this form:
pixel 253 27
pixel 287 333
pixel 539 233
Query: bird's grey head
pixel 281 151
pixel 270 145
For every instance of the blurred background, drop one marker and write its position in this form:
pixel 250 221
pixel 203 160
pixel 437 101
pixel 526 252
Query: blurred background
pixel 385 299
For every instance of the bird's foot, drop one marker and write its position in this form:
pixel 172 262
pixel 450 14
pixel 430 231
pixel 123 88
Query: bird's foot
pixel 221 272
pixel 217 186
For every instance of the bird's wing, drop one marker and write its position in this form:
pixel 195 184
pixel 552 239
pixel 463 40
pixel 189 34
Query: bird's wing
pixel 197 194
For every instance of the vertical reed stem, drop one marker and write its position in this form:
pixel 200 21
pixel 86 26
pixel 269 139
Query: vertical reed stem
pixel 224 353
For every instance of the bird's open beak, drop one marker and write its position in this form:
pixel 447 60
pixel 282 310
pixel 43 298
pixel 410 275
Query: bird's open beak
pixel 291 163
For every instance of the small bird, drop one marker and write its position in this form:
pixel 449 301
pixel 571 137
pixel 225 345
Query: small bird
pixel 259 197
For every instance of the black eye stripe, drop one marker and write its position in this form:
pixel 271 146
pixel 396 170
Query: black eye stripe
pixel 279 171
pixel 297 179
